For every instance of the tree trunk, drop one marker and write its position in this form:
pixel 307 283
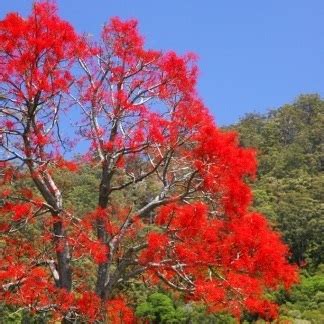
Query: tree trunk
pixel 101 231
pixel 62 254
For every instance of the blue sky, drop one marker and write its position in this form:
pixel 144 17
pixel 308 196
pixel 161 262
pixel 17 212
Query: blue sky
pixel 253 55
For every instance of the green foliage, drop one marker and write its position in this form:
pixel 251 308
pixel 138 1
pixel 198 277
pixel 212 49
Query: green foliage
pixel 306 301
pixel 10 315
pixel 161 308
pixel 80 188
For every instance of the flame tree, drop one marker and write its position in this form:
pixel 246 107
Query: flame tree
pixel 144 124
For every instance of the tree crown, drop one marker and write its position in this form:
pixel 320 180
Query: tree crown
pixel 190 230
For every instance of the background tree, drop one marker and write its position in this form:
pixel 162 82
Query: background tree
pixel 145 127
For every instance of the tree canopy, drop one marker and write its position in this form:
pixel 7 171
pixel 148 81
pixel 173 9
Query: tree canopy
pixel 146 129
